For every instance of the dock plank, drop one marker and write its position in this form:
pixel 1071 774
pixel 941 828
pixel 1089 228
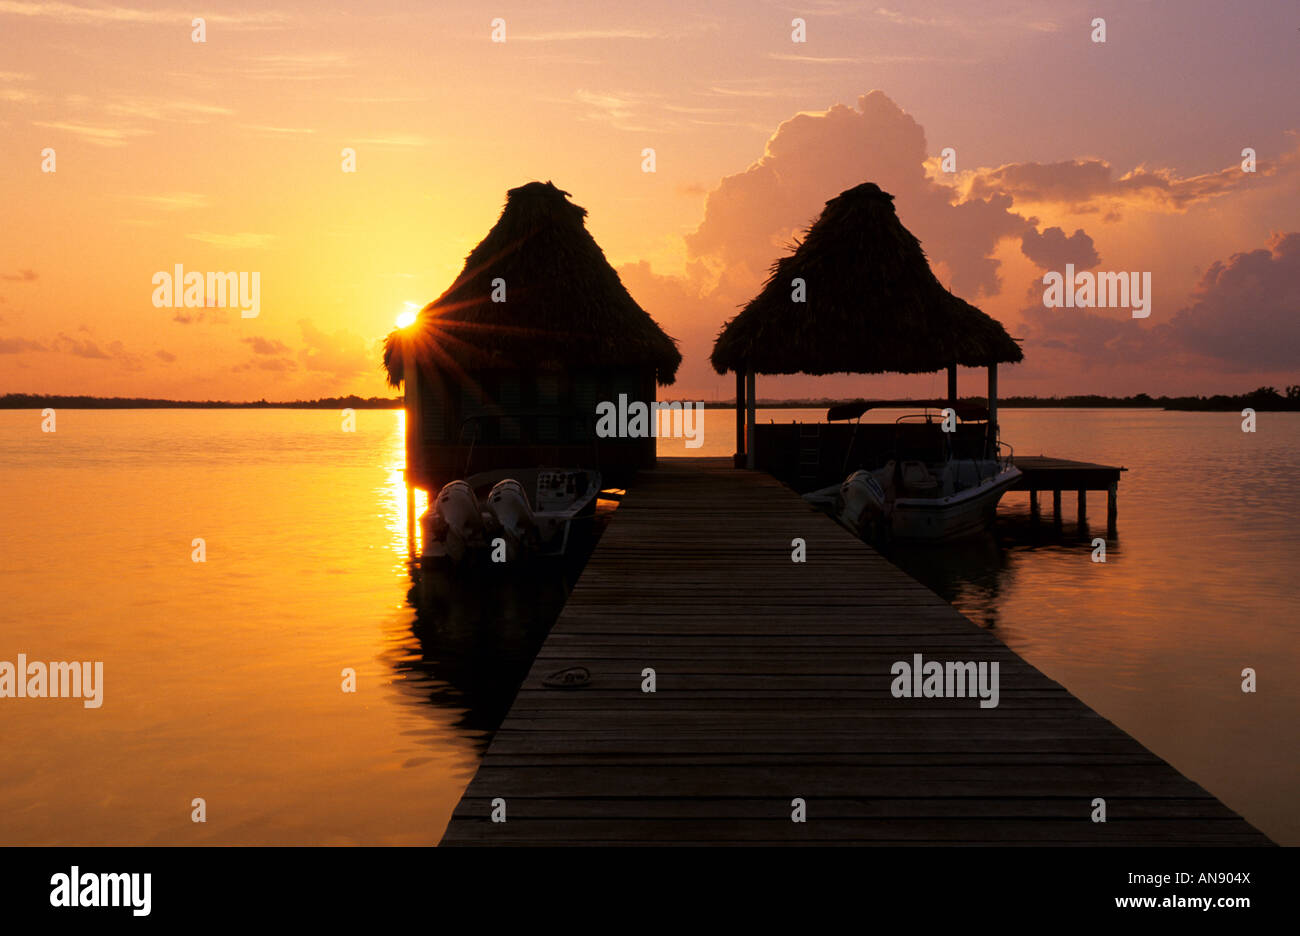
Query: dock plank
pixel 773 682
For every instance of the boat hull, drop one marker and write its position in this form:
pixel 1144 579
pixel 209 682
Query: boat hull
pixel 938 519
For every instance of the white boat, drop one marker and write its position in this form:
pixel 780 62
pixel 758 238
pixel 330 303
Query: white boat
pixel 914 500
pixel 531 513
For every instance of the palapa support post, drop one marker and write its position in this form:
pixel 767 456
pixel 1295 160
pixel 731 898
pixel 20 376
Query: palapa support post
pixel 1056 507
pixel 993 413
pixel 1033 505
pixel 1083 508
pixel 1112 508
pixel 952 385
pixel 751 418
pixel 738 460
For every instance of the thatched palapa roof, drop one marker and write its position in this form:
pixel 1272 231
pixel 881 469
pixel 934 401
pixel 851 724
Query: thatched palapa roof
pixel 872 304
pixel 565 306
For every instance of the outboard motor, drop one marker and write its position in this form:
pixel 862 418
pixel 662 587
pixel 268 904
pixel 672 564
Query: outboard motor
pixel 508 505
pixel 861 497
pixel 455 521
pixel 863 503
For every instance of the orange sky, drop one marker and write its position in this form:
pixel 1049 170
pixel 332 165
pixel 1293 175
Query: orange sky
pixel 226 156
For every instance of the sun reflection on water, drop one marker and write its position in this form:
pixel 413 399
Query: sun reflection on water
pixel 393 495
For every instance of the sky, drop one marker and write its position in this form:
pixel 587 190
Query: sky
pixel 228 155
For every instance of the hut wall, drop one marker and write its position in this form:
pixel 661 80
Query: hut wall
pixel 523 418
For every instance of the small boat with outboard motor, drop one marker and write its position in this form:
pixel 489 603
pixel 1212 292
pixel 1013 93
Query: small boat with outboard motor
pixel 520 514
pixel 914 498
pixel 508 514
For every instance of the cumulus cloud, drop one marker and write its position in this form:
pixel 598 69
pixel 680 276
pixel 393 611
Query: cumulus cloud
pixel 1098 339
pixel 753 216
pixel 85 345
pixel 275 364
pixel 213 314
pixel 1052 250
pixel 1242 317
pixel 1244 310
pixel 266 345
pixel 342 354
pixel 965 223
pixel 696 313
pixel 1088 185
pixel 270 355
pixel 19 345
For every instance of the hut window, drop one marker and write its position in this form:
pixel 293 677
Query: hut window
pixel 509 399
pixel 548 389
pixel 434 428
pixel 584 406
pixel 471 400
pixel 435 420
pixel 548 395
pixel 629 384
pixel 471 405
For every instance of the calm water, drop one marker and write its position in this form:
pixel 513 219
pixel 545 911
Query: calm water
pixel 222 679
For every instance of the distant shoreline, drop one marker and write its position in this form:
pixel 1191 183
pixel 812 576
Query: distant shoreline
pixel 1264 399
pixel 41 401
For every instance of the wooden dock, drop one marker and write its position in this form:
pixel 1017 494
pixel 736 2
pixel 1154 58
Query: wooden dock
pixel 773 685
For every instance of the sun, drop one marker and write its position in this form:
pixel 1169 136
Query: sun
pixel 407 316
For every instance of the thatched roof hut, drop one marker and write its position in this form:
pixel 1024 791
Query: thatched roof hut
pixel 507 366
pixel 565 305
pixel 872 304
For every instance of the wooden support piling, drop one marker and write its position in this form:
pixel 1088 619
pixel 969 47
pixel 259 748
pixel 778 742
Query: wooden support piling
pixel 410 520
pixel 1041 473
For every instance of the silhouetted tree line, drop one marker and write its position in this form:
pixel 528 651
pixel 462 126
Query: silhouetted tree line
pixel 1261 399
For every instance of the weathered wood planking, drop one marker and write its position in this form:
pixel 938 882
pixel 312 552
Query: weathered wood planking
pixel 773 683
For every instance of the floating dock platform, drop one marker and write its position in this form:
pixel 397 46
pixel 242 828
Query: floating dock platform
pixel 773 700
